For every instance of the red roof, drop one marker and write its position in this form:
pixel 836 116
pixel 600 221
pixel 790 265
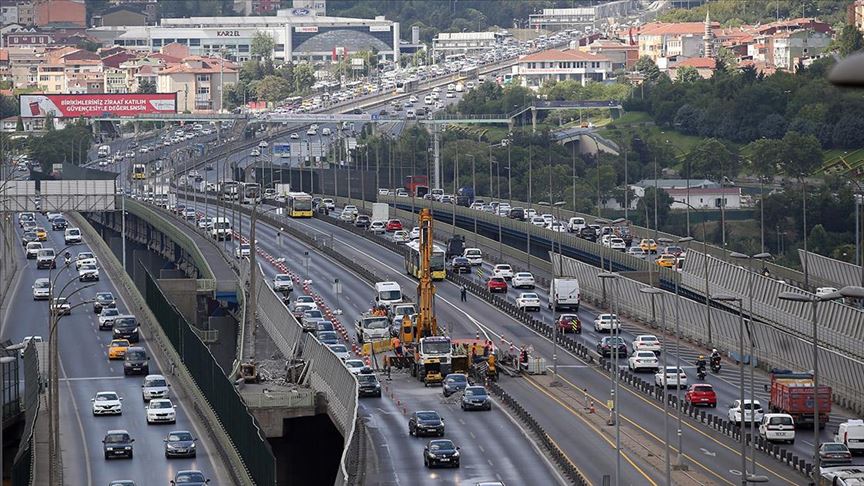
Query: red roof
pixel 662 28
pixel 562 55
pixel 698 63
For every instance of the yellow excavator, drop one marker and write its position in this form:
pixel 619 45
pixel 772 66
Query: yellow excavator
pixel 432 352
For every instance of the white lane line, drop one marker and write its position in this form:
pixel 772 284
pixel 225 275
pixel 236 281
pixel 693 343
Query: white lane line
pixel 77 419
pixel 93 378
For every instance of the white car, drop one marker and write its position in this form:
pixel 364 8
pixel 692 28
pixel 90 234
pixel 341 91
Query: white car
pixel 355 366
pixel 88 273
pixel 415 233
pixel 243 250
pixel 522 280
pixel 821 291
pixel 106 317
pixel 647 342
pixel 557 227
pixel 637 252
pixel 777 427
pixel 254 153
pixel 340 351
pixel 528 301
pixel 325 132
pixel 328 204
pixel 378 227
pixel 671 376
pixel 311 132
pixel 161 410
pixel 538 221
pixel 41 289
pixel 107 403
pixel 155 386
pixel 283 283
pixel 548 218
pixel 606 322
pixel 205 223
pixel 502 270
pixel 72 236
pixel 295 136
pixel 643 360
pixel 400 236
pixel 752 411
pixel 477 206
pixel 85 257
pixel 616 243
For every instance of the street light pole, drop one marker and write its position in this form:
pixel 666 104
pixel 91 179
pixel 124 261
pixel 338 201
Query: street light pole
pixel 654 291
pixel 557 273
pixel 614 414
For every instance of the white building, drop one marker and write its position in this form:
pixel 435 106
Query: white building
pixel 298 34
pixel 466 43
pixel 562 64
pixel 565 18
pixel 702 194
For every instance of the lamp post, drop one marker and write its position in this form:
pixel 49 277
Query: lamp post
pixel 750 258
pixel 654 291
pixel 685 156
pixel 615 331
pixel 474 189
pixel 558 272
pixel 705 259
pixel 854 292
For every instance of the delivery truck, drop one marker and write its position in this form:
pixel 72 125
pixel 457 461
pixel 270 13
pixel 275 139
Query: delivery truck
pixel 380 212
pixel 792 393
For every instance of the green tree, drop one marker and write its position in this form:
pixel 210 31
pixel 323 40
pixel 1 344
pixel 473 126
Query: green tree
pixel 687 75
pixel 146 86
pixel 272 89
pixel 848 41
pixel 262 46
pixel 710 158
pixel 304 77
pixel 763 156
pixel 8 106
pixel 801 155
pixel 49 122
pixel 648 68
pixel 645 205
pixel 19 125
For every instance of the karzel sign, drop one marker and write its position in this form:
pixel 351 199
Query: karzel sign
pixel 227 33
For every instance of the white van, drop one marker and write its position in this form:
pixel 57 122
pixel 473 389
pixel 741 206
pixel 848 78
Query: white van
pixel 564 294
pixel 104 151
pixel 221 229
pixel 575 224
pixel 851 433
pixel 777 427
pixel 474 256
pixel 72 236
pixel 387 293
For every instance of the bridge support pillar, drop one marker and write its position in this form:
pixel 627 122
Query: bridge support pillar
pixel 533 119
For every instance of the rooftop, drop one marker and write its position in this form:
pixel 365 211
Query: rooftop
pixel 698 63
pixel 678 28
pixel 562 55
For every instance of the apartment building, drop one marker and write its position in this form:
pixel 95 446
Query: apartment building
pixel 562 64
pixel 198 82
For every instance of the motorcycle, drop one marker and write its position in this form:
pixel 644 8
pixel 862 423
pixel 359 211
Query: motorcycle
pixel 700 372
pixel 68 261
pixel 715 366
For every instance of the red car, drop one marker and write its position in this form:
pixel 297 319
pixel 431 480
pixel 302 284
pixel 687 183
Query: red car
pixel 701 394
pixel 394 225
pixel 497 284
pixel 569 323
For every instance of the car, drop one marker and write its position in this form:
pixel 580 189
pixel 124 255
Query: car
pixel 496 284
pixel 25 217
pixel 415 233
pixel 454 383
pixel 107 403
pixel 205 223
pixel 299 309
pixel 355 365
pixel 328 204
pixel 72 236
pixel 368 384
pixel 348 214
pixel 41 234
pixel 117 443
pixel 242 250
pixel 675 251
pixel 642 361
pixel 283 283
pixel 154 386
pixel 476 398
pixel 671 376
pixel 608 344
pixel 29 237
pixel 400 236
pixel 106 318
pixel 295 136
pixel 648 245
pixel 254 153
pixel 606 322
pixel 325 325
pixel 777 427
pixel 88 273
pixel 117 348
pixel 441 452
pixel 502 270
pixel 340 351
pixel 378 227
pixel 136 361
pixel 362 221
pixel 701 394
pixel 46 258
pixel 752 411
pixel 636 251
pixel 32 249
pixel 833 453
pixel 61 306
pixel 161 410
pixel 190 478
pixel 103 299
pixel 647 342
pixel 823 291
pixel 41 289
pixel 59 224
pixel 528 301
pixel 84 258
pixel 522 280
pixel 393 225
pixel 667 260
pixel 125 327
pixel 179 443
pixel 328 337
pixel 460 265
pixel 616 243
pixel 425 422
pixel 569 323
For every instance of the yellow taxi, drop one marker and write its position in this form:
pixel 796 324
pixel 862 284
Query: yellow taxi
pixel 41 234
pixel 667 260
pixel 117 348
pixel 648 245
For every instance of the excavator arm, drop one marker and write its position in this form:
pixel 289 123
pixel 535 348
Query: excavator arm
pixel 426 323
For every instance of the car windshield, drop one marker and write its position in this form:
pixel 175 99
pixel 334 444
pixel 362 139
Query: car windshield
pixel 475 392
pixel 125 323
pixel 109 311
pixel 431 416
pixel 103 296
pixel 615 340
pixel 379 323
pixel 313 314
pixel 339 348
pixel 457 379
pixel 530 296
pixel 328 336
pixel 154 382
pixel 390 295
pixel 136 356
pixel 354 363
pixel 703 388
pixel 305 299
pixel 524 275
pixel 158 404
pixel 189 477
pixel 41 284
pixel 441 445
pixel 116 438
pixel 645 354
pixel 88 267
pixel 367 378
pixel 780 421
pixel 120 344
pixel 105 397
pixel 834 447
pixel 178 436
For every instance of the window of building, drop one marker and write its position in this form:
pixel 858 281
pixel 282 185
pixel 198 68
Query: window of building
pixel 194 42
pixel 243 48
pixel 279 48
pixel 203 90
pixel 203 78
pixel 157 42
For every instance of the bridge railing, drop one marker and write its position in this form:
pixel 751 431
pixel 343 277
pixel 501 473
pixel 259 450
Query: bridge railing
pixel 830 271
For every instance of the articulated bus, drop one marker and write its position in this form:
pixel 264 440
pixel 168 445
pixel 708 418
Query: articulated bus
pixel 299 204
pixel 139 172
pixel 407 86
pixel 228 190
pixel 250 192
pixel 412 261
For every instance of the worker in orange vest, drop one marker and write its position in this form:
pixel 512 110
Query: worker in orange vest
pixel 396 345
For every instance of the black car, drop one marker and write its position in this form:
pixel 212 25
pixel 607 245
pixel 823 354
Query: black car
pixel 476 398
pixel 460 265
pixel 136 362
pixel 362 221
pixel 179 443
pixel 588 233
pixel 442 452
pixel 607 344
pixel 103 299
pixel 190 478
pixel 517 214
pixel 426 422
pixel 368 385
pixel 325 325
pixel 454 383
pixel 117 443
pixel 126 327
pixel 29 237
pixel 59 224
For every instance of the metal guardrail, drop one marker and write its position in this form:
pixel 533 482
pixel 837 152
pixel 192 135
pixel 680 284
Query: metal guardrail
pixel 830 271
pixel 299 397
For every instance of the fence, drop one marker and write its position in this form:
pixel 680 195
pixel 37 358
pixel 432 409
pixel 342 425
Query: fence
pixel 219 391
pixel 831 271
pixel 774 346
pixel 23 464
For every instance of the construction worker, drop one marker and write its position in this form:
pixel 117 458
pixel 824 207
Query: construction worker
pixel 524 357
pixel 396 345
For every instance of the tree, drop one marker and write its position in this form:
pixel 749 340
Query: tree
pixel 49 122
pixel 848 41
pixel 763 156
pixel 146 86
pixel 272 89
pixel 801 156
pixel 8 106
pixel 645 205
pixel 304 77
pixel 648 68
pixel 773 126
pixel 688 118
pixel 710 158
pixel 687 75
pixel 849 132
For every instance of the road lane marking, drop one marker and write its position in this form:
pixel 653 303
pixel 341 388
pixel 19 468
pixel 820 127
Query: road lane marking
pixel 77 419
pixel 94 378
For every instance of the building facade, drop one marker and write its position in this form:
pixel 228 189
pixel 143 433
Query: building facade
pixel 199 83
pixel 464 43
pixel 856 14
pixel 568 18
pixel 562 64
pixel 8 14
pixel 791 47
pixel 61 12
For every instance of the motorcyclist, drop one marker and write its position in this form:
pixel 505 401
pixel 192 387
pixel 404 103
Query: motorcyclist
pixel 68 257
pixel 700 366
pixel 715 358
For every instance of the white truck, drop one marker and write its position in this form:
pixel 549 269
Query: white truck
pixel 282 190
pixel 851 433
pixel 380 212
pixel 372 328
pixel 221 229
pixel 103 151
pixel 564 294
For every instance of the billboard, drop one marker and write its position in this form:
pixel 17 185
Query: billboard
pixel 97 105
pixel 282 149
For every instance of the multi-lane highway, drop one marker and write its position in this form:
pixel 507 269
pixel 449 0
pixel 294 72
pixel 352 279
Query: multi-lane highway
pixel 86 370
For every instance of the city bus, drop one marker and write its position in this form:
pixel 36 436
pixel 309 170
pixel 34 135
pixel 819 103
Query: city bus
pixel 412 261
pixel 407 86
pixel 469 72
pixel 228 190
pixel 250 192
pixel 299 204
pixel 139 172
